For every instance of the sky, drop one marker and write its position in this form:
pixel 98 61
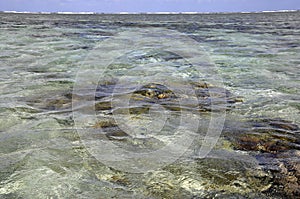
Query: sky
pixel 112 6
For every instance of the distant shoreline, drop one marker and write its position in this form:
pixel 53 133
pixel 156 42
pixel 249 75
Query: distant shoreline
pixel 144 13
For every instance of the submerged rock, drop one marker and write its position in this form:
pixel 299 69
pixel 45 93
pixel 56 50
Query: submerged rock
pixel 213 98
pixel 210 98
pixel 287 178
pixel 56 101
pixel 269 135
pixel 155 91
pixel 105 89
pixel 208 178
pixel 276 145
pixel 111 130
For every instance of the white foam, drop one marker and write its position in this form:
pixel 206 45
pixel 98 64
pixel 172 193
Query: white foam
pixel 280 11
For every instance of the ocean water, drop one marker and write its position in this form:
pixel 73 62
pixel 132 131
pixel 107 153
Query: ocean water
pixel 193 106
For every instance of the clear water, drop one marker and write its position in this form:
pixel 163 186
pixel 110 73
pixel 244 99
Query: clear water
pixel 257 57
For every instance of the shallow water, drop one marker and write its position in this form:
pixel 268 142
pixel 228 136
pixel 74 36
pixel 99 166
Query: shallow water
pixel 49 138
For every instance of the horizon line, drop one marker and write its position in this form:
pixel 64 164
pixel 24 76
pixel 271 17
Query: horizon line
pixel 124 13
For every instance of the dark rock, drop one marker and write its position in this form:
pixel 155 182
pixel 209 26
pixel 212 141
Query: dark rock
pixel 155 91
pixel 111 130
pixel 276 145
pixel 268 135
pixel 105 89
